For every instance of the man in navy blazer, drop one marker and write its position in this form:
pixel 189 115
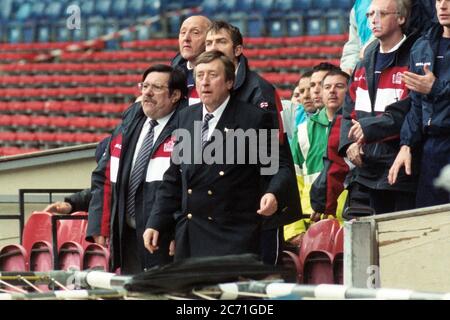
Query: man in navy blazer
pixel 218 192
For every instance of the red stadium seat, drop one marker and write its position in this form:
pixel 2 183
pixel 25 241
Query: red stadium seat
pixel 291 261
pixel 316 252
pixel 73 230
pixel 70 256
pixel 41 256
pixel 37 228
pixel 96 257
pixel 13 257
pixel 338 253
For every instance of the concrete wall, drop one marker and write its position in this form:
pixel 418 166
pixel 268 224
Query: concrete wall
pixel 64 168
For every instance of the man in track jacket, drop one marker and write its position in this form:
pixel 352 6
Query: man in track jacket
pixel 427 125
pixel 369 139
pixel 110 213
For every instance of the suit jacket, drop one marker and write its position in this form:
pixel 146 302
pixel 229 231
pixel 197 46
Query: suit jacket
pixel 107 208
pixel 215 205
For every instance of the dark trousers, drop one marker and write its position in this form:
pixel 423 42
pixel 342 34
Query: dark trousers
pixel 385 201
pixel 271 245
pixel 131 262
pixel 435 156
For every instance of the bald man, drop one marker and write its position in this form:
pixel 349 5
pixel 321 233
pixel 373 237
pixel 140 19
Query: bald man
pixel 191 41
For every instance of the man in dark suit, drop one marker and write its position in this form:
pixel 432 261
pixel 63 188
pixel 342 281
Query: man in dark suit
pixel 250 87
pixel 219 205
pixel 125 182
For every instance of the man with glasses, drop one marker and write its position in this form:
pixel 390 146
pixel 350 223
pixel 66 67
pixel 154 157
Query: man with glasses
pixel 127 177
pixel 370 133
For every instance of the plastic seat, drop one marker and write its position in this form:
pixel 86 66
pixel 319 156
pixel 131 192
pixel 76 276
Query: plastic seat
pixel 73 230
pixel 41 256
pixel 316 252
pixel 96 257
pixel 13 257
pixel 37 228
pixel 70 256
pixel 338 262
pixel 291 261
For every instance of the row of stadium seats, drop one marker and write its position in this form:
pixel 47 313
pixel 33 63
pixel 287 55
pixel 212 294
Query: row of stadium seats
pixel 131 67
pixel 264 53
pixel 319 259
pixel 36 251
pixel 21 11
pixel 66 108
pixel 44 123
pixel 87 93
pixel 12 151
pixel 172 43
pixel 41 80
pixel 48 140
pixel 311 22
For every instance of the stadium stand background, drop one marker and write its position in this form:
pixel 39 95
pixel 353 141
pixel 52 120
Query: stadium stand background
pixel 61 86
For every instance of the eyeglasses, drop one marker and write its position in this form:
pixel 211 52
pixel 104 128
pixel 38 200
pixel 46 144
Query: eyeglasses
pixel 156 88
pixel 382 14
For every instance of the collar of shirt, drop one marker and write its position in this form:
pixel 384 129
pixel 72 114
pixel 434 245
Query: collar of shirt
pixel 217 114
pixel 189 66
pixel 396 46
pixel 156 132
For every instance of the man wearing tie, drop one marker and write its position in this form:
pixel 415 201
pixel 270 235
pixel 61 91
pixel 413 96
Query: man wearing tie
pixel 125 182
pixel 218 207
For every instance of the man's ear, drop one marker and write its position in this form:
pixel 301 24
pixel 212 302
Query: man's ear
pixel 238 50
pixel 401 20
pixel 176 96
pixel 229 84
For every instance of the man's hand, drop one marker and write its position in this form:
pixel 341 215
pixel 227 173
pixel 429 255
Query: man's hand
pixel 356 133
pixel 268 205
pixel 59 207
pixel 101 240
pixel 315 216
pixel 151 237
pixel 354 153
pixel 403 159
pixel 418 83
pixel 297 240
pixel 172 248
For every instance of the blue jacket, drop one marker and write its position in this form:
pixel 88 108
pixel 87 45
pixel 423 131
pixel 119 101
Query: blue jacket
pixel 429 113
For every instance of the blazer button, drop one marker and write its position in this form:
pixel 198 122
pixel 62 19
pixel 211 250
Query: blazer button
pixel 189 191
pixel 221 173
pixel 210 192
pixel 189 216
pixel 210 218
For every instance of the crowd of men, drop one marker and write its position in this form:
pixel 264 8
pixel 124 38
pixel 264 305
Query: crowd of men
pixel 188 171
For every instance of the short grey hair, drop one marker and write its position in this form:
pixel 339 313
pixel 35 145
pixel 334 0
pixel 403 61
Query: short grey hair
pixel 404 10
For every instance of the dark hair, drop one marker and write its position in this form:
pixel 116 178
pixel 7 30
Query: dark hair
pixel 306 74
pixel 324 66
pixel 337 72
pixel 207 57
pixel 234 32
pixel 177 78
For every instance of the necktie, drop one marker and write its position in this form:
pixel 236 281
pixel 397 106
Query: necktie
pixel 138 171
pixel 205 129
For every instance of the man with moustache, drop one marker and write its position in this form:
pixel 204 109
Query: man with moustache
pixel 125 181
